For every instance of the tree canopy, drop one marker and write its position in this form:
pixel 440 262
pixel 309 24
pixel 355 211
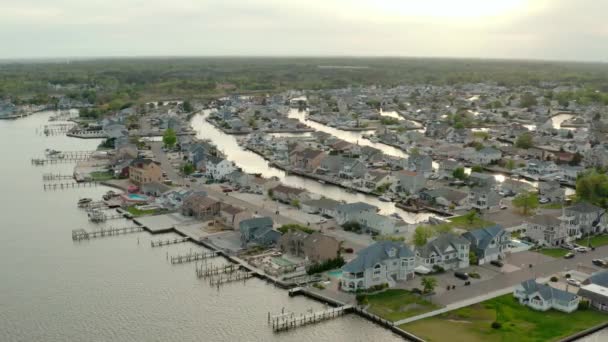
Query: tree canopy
pixel 526 202
pixel 169 138
pixel 524 141
pixel 592 187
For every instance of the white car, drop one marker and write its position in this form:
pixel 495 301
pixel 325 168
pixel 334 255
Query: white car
pixel 543 200
pixel 574 282
pixel 322 220
pixel 581 249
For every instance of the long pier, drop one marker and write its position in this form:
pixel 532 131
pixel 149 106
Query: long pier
pixel 204 272
pixel 81 234
pixel 289 320
pixel 224 278
pixel 190 257
pixel 49 177
pixel 70 185
pixel 167 242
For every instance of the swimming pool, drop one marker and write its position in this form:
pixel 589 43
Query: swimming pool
pixel 335 273
pixel 135 197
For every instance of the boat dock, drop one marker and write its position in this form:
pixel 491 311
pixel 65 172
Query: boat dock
pixel 69 185
pixel 224 278
pixel 204 272
pixel 289 320
pixel 49 177
pixel 167 242
pixel 81 234
pixel 190 257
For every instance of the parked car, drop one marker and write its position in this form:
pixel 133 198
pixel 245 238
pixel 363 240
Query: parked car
pixel 461 275
pixel 543 200
pixel 503 207
pixel 569 255
pixel 600 262
pixel 197 175
pixel 497 263
pixel 568 246
pixel 574 282
pixel 581 249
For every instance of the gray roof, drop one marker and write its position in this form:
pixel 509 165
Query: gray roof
pixel 447 193
pixel 599 278
pixel 378 252
pixel 441 243
pixel 323 203
pixel 355 207
pixel 546 292
pixel 488 150
pixel 248 224
pixel 482 237
pixel 584 207
pixel 544 220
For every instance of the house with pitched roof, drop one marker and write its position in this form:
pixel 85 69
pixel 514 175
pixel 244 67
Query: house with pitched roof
pixel 447 197
pixel 315 247
pixel 547 230
pixel 484 198
pixel 409 181
pixel 488 243
pixel 543 297
pixel 581 217
pixel 144 170
pixel 595 289
pixel 447 251
pixel 350 211
pixel 258 231
pixel 384 262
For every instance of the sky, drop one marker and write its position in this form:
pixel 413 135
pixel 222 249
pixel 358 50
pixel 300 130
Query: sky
pixel 522 29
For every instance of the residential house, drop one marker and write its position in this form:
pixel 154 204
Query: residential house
pixel 447 167
pixel 218 168
pixel 484 198
pixel 379 224
pixel 420 163
pixel 174 198
pixel 547 230
pixel 232 216
pixel 543 297
pixel 384 262
pixel 552 191
pixel 584 218
pixel 352 169
pixel 489 243
pixel 481 179
pixel 350 211
pixel 447 251
pixel 324 206
pixel 307 160
pixel 258 231
pixel 287 194
pixel 409 182
pixel 155 189
pixel 143 170
pixel 485 156
pixel 200 206
pixel 447 198
pixel 595 289
pixel 315 247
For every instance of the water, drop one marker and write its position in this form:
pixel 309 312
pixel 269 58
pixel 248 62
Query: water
pixel 116 289
pixel 253 163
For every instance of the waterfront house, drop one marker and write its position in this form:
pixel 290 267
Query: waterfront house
pixel 218 168
pixel 481 179
pixel 595 289
pixel 447 198
pixel 350 211
pixel 447 167
pixel 201 206
pixel 447 251
pixel 307 160
pixel 315 247
pixel 330 165
pixel 323 206
pixel 232 216
pixel 581 217
pixel 258 231
pixel 546 230
pixel 144 170
pixel 384 262
pixel 484 198
pixel 485 156
pixel 155 189
pixel 488 243
pixel 409 182
pixel 174 198
pixel 552 191
pixel 420 163
pixel 287 194
pixel 374 179
pixel 543 297
pixel 352 169
pixel 379 224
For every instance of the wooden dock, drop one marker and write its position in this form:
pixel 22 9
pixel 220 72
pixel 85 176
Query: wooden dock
pixel 49 177
pixel 99 215
pixel 224 278
pixel 289 320
pixel 204 271
pixel 81 234
pixel 190 257
pixel 68 185
pixel 167 242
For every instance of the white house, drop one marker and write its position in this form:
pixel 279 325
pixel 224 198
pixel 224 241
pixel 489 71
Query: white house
pixel 547 230
pixel 447 251
pixel 219 168
pixel 384 262
pixel 485 156
pixel 543 297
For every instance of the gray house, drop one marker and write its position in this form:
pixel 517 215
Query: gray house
pixel 484 198
pixel 488 243
pixel 580 218
pixel 350 211
pixel 258 231
pixel 447 251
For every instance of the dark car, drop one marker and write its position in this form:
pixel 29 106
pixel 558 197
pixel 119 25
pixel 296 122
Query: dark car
pixel 497 263
pixel 461 275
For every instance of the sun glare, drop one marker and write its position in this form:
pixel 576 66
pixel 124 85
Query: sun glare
pixel 449 8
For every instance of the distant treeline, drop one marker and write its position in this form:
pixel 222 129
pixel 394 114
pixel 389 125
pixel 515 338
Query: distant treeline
pixel 104 78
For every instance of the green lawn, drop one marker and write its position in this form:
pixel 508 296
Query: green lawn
pixel 596 241
pixel 551 206
pixel 396 304
pixel 554 252
pixel 519 323
pixel 463 223
pixel 100 176
pixel 137 212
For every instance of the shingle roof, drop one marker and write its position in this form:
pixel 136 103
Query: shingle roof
pixel 484 236
pixel 441 243
pixel 355 207
pixel 599 278
pixel 547 292
pixel 376 253
pixel 545 220
pixel 584 207
pixel 246 225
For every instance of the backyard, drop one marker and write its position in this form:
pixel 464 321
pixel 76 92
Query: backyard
pixel 396 304
pixel 596 241
pixel 136 212
pixel 100 176
pixel 518 323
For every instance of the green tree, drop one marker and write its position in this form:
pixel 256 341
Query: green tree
pixel 187 106
pixel 295 203
pixel 510 165
pixel 477 168
pixel 471 216
pixel 526 202
pixel 188 168
pixel 459 173
pixel 421 235
pixel 527 100
pixel 428 284
pixel 473 259
pixel 524 141
pixel 169 138
pixel 592 186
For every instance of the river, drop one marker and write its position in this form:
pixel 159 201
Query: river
pixel 116 289
pixel 253 163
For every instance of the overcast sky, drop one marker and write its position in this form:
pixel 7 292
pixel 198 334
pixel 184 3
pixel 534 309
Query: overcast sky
pixel 537 29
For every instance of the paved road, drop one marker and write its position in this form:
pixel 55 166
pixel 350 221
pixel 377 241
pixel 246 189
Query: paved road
pixel 507 280
pixel 177 179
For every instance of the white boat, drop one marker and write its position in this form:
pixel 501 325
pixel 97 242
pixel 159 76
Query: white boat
pixel 84 201
pixel 385 199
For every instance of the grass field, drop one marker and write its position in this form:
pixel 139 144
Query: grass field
pixel 463 223
pixel 596 241
pixel 554 252
pixel 396 304
pixel 519 323
pixel 137 212
pixel 100 176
